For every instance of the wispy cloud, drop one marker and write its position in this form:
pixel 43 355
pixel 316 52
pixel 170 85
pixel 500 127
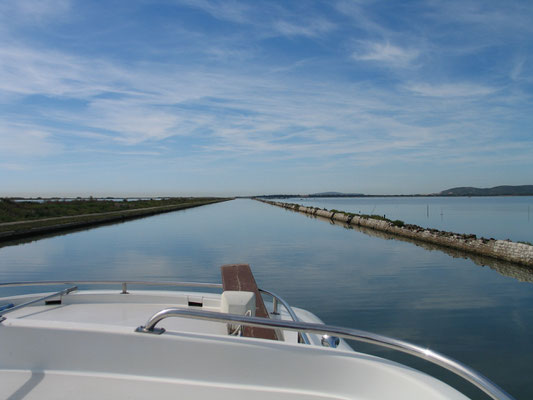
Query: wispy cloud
pixel 328 87
pixel 311 28
pixel 270 19
pixel 13 167
pixel 357 11
pixel 19 139
pixel 514 19
pixel 132 122
pixel 518 67
pixel 235 114
pixel 451 90
pixel 227 10
pixel 33 10
pixel 27 71
pixel 386 53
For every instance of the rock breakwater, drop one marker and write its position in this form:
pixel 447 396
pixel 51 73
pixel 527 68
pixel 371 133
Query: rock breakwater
pixel 506 250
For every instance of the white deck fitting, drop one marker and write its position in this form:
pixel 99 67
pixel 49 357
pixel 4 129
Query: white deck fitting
pixel 86 348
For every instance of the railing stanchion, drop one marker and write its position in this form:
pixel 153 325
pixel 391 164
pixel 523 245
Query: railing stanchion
pixel 275 306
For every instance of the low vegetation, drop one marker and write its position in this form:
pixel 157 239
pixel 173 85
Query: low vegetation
pixel 29 217
pixel 396 222
pixel 14 211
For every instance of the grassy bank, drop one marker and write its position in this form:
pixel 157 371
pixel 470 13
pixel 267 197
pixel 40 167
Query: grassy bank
pixel 16 211
pixel 23 219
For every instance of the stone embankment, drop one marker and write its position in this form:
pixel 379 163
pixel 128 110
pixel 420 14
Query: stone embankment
pixel 24 229
pixel 519 272
pixel 506 250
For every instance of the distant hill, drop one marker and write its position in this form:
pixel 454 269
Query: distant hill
pixel 335 194
pixel 523 190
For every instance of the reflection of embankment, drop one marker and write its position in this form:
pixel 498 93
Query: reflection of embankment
pixel 518 272
pixel 61 232
pixel 20 232
pixel 477 249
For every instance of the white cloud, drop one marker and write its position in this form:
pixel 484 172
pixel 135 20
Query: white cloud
pixel 513 18
pixel 16 14
pixel 267 20
pixel 132 121
pixel 27 71
pixel 228 10
pixel 26 140
pixel 13 167
pixel 42 8
pixel 229 114
pixel 356 11
pixel 517 69
pixel 386 53
pixel 451 90
pixel 311 28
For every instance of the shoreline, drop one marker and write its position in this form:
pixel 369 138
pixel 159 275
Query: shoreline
pixel 362 196
pixel 506 250
pixel 25 229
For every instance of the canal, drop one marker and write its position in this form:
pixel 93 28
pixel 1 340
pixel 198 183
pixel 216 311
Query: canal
pixel 478 312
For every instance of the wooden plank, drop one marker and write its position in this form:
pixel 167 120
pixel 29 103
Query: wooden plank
pixel 239 277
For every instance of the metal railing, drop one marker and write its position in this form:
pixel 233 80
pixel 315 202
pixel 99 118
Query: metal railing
pixel 465 372
pixel 276 300
pixel 42 298
pixel 111 282
pixel 301 328
pixel 302 337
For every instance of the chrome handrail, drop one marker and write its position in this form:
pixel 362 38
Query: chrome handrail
pixel 112 282
pixel 124 285
pixel 458 368
pixel 48 296
pixel 276 299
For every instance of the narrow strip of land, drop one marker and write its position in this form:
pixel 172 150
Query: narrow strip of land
pixel 519 253
pixel 23 228
pixel 109 213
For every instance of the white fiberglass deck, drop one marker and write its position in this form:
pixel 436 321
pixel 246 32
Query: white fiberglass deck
pixel 86 348
pixel 112 309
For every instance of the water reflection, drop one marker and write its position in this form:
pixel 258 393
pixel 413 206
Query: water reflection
pixel 518 272
pixel 499 217
pixel 30 239
pixel 349 277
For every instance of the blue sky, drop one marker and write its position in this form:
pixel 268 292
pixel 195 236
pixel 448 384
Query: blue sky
pixel 222 97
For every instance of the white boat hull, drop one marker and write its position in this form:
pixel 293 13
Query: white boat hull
pixel 86 348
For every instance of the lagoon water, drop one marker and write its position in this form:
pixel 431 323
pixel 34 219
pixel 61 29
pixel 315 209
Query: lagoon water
pixel 499 217
pixel 480 315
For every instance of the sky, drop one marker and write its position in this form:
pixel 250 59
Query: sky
pixel 229 97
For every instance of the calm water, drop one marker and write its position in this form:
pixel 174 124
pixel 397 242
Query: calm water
pixel 347 277
pixel 497 217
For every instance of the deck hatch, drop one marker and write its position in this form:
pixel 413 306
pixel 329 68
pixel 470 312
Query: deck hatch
pixel 195 301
